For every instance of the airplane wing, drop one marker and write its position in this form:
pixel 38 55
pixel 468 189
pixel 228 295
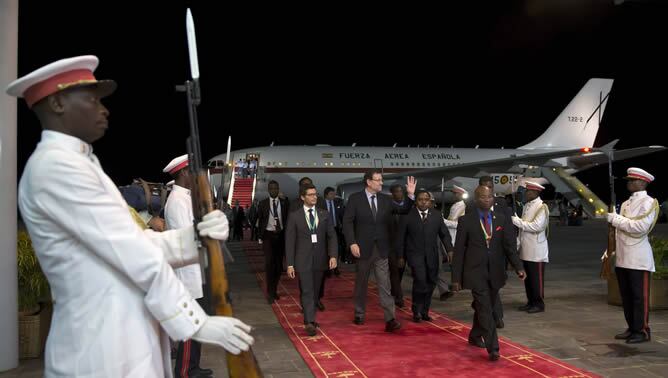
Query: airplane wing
pixel 510 164
pixel 591 160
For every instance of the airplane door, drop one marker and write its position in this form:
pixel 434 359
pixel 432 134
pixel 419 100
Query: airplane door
pixel 378 163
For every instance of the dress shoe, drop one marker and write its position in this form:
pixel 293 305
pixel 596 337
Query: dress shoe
pixel 624 335
pixel 525 307
pixel 426 317
pixel 320 306
pixel 310 329
pixel 446 295
pixel 392 325
pixel 535 309
pixel 271 300
pixel 417 318
pixel 499 323
pixel 399 303
pixel 494 356
pixel 277 296
pixel 358 320
pixel 638 337
pixel 477 341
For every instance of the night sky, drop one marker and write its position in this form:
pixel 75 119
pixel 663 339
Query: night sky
pixel 490 75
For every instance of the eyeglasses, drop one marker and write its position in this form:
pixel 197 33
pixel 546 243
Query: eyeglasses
pixel 311 194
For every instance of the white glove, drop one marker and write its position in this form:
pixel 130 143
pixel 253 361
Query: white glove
pixel 517 221
pixel 229 333
pixel 214 225
pixel 611 217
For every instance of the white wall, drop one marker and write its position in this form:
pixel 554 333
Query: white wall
pixel 9 19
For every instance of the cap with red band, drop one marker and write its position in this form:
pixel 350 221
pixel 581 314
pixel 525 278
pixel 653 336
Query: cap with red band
pixel 58 76
pixel 638 174
pixel 176 164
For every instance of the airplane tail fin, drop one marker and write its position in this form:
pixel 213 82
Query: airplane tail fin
pixel 578 123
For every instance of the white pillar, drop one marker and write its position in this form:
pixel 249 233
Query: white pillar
pixel 9 20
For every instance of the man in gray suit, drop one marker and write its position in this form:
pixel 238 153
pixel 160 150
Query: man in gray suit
pixel 310 239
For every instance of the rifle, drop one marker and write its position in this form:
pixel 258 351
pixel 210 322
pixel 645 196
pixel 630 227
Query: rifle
pixel 606 261
pixel 244 364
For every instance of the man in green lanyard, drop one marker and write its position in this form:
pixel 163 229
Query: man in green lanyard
pixel 311 248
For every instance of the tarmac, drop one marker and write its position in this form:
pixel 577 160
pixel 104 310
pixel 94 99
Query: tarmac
pixel 577 327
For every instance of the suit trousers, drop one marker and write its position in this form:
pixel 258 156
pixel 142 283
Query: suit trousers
pixel 634 289
pixel 188 353
pixel 483 319
pixel 535 283
pixel 381 271
pixel 396 274
pixel 424 283
pixel 273 245
pixel 309 286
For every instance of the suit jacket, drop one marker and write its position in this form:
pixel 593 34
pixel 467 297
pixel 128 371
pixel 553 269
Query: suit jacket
pixel 339 210
pixel 417 241
pixel 263 213
pixel 474 263
pixel 359 226
pixel 300 252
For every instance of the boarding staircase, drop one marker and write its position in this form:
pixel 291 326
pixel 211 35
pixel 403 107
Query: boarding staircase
pixel 575 191
pixel 242 191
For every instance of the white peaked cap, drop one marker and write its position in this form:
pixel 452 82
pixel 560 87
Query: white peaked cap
pixel 530 185
pixel 176 164
pixel 634 173
pixel 58 76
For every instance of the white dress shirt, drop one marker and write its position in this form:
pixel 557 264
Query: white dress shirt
pixel 271 223
pixel 113 288
pixel 179 214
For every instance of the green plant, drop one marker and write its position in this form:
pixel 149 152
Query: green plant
pixel 660 251
pixel 33 286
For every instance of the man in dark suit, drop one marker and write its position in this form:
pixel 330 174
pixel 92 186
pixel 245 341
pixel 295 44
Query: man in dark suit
pixel 484 241
pixel 272 214
pixel 311 248
pixel 418 243
pixel 366 227
pixel 396 271
pixel 335 209
pixel 500 205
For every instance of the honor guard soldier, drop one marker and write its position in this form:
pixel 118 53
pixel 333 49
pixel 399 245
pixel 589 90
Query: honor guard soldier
pixel 179 214
pixel 456 210
pixel 634 259
pixel 116 298
pixel 533 246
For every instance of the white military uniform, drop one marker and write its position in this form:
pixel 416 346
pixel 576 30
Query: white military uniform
pixel 456 211
pixel 116 297
pixel 532 231
pixel 179 214
pixel 638 215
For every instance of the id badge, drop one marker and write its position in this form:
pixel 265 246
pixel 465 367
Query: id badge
pixel 314 238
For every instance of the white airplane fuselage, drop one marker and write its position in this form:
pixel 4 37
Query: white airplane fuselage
pixel 336 166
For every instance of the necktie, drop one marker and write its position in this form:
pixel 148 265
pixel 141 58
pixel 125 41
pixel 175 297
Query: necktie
pixel 374 211
pixel 311 220
pixel 424 216
pixel 277 222
pixel 330 206
pixel 488 228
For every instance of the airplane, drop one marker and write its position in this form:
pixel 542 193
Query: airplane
pixel 566 147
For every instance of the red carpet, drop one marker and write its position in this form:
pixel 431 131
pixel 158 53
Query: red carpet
pixel 428 349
